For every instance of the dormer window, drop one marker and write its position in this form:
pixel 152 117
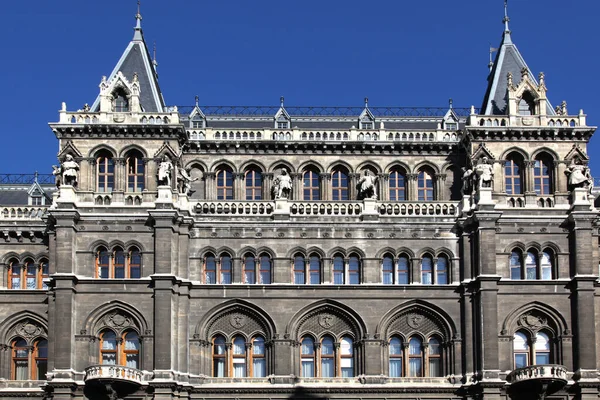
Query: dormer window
pixel 121 104
pixel 197 122
pixel 366 125
pixel 283 124
pixel 527 104
pixel 451 126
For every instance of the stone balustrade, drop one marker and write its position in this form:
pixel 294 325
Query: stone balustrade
pixel 234 208
pixel 114 372
pixel 418 208
pixel 325 208
pixel 498 121
pixel 129 118
pixel 537 381
pixel 303 135
pixel 22 213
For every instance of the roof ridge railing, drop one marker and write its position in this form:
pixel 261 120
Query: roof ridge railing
pixel 322 111
pixel 26 179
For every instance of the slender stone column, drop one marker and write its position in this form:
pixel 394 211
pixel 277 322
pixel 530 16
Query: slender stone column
pixel 325 186
pixel 384 187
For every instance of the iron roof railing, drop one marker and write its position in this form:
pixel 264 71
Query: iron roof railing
pixel 269 111
pixel 26 179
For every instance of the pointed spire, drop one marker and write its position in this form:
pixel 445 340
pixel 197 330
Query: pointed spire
pixel 366 102
pixel 281 99
pixel 505 21
pixel 138 24
pixel 197 100
pixel 451 103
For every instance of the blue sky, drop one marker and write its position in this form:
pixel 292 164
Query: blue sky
pixel 327 52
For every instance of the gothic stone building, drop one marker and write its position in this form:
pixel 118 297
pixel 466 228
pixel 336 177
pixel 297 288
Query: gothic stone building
pixel 463 264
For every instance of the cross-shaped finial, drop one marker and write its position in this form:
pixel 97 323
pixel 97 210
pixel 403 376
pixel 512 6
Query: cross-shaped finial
pixel 366 101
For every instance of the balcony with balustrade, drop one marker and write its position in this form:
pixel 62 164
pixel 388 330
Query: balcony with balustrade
pixel 537 381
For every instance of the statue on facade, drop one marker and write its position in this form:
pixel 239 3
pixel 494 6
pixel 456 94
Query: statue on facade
pixel 485 173
pixel 184 181
pixel 579 176
pixel 57 172
pixel 467 181
pixel 282 185
pixel 366 186
pixel 69 170
pixel 562 109
pixel 164 171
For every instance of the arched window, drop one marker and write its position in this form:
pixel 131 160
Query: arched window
pixel 397 183
pixel 516 268
pixel 513 174
pixel 123 350
pixel 225 269
pixel 307 356
pixel 338 270
pixel 120 102
pixel 346 357
pixel 131 350
pixel 327 357
pixel 403 270
pixel 415 357
pixel 20 360
pixel 40 359
pixel 531 265
pixel 108 348
pixel 395 353
pixel 265 269
pixel 135 172
pixel 219 357
pixel 427 270
pixel 238 357
pixel 425 185
pixel 527 104
pixel 434 357
pixel 314 270
pixel 441 270
pixel 224 184
pixel 29 275
pixel 311 188
pixel 254 184
pixel 105 173
pixel 542 349
pixel 354 270
pixel 299 270
pixel 118 263
pixel 521 350
pixel 259 362
pixel 340 185
pixel 546 264
pixel 542 175
pixel 249 269
pixel 387 267
pixel 210 269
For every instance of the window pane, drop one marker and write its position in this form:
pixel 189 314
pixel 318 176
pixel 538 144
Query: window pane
pixel 515 265
pixel 308 368
pixel 315 270
pixel 414 367
pixel 259 368
pixel 542 358
pixel 403 271
pixel 327 368
pixel 396 367
pixel 387 267
pixel 520 360
pixel 21 370
pixel 435 367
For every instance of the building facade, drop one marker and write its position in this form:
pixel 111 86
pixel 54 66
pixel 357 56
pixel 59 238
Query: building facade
pixel 297 252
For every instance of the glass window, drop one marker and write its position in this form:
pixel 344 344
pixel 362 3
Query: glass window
pixel 121 104
pixel 31 278
pixel 224 184
pixel 45 273
pixel 225 269
pixel 546 264
pixel 105 174
pixel 338 270
pixel 542 176
pixel 259 362
pixel 435 357
pixel 103 263
pixel 15 274
pixel 253 184
pixel 530 266
pixel 239 357
pixel 119 264
pixel 20 364
pixel 415 357
pixel 512 176
pixel 311 185
pixel 210 269
pixel 397 185
pixel 307 355
pixel 249 269
pixel 346 357
pixel 41 359
pixel 327 358
pixel 515 265
pixel 403 270
pixel 135 263
pixel 425 185
pixel 108 348
pixel 299 266
pixel 265 269
pixel 426 270
pixel 219 357
pixel 131 351
pixel 387 266
pixel 395 353
pixel 542 349
pixel 353 270
pixel 135 173
pixel 521 350
pixel 441 270
pixel 315 270
pixel 339 184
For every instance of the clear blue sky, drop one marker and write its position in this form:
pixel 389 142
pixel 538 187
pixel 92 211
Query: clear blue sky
pixel 325 52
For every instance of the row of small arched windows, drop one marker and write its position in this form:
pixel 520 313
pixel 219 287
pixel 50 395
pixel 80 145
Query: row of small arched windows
pixel 532 264
pixel 514 178
pixel 28 274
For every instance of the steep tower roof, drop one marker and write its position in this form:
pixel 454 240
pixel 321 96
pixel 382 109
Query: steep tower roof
pixel 136 59
pixel 508 59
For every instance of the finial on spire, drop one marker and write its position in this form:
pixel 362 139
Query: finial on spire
pixel 138 24
pixel 366 102
pixel 281 101
pixel 197 100
pixel 450 103
pixel 506 20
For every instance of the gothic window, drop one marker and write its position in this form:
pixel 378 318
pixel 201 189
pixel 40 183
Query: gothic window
pixel 340 185
pixel 311 186
pixel 427 270
pixel 515 265
pixel 135 172
pixel 527 104
pixel 546 264
pixel 259 362
pixel 249 269
pixel 224 184
pixel 225 269
pixel 105 173
pixel 434 357
pixel 29 361
pixel 415 357
pixel 307 356
pixel 265 269
pixel 346 357
pixel 441 270
pixel 513 174
pixel 403 269
pixel 40 359
pixel 219 357
pixel 314 270
pixel 531 265
pixel 328 359
pixel 353 270
pixel 395 271
pixel 210 269
pixel 396 349
pixel 327 364
pixel 120 350
pixel 387 267
pixel 299 270
pixel 20 360
pixel 397 184
pixel 425 185
pixel 253 184
pixel 27 275
pixel 197 122
pixel 235 360
pixel 338 270
pixel 542 175
pixel 118 263
pixel 528 350
pixel 120 102
pixel 238 357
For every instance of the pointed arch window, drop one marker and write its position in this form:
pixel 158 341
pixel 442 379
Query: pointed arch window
pixel 131 350
pixel 28 275
pixel 249 269
pixel 397 184
pixel 434 357
pixel 265 269
pixel 40 359
pixel 225 269
pixel 403 270
pixel 530 265
pixel 238 357
pixel 307 356
pixel 20 360
pixel 299 270
pixel 29 362
pixel 427 270
pixel 210 269
pixel 108 348
pixel 513 177
pixel 527 104
pixel 521 350
pixel 259 362
pixel 338 270
pixel 515 265
pixel 105 173
pixel 340 185
pixel 314 270
pixel 327 357
pixel 120 350
pixel 425 185
pixel 542 349
pixel 441 270
pixel 546 264
pixel 254 182
pixel 396 349
pixel 118 263
pixel 219 357
pixel 346 357
pixel 120 102
pixel 311 187
pixel 354 270
pixel 387 266
pixel 224 184
pixel 542 175
pixel 415 357
pixel 135 172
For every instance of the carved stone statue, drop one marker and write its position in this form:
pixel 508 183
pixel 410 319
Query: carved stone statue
pixel 282 185
pixel 485 173
pixel 467 181
pixel 164 171
pixel 579 176
pixel 562 109
pixel 69 170
pixel 184 181
pixel 366 186
pixel 57 172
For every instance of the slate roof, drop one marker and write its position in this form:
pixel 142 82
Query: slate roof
pixel 136 58
pixel 508 59
pixel 15 189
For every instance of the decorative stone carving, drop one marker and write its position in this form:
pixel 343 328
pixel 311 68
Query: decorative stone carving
pixel 366 186
pixel 69 169
pixel 118 320
pixel 184 181
pixel 562 109
pixel 29 329
pixel 531 321
pixel 282 185
pixel 579 176
pixel 414 320
pixel 326 320
pixel 467 181
pixel 164 171
pixel 237 321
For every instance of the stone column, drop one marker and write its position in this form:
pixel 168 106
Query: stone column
pixel 267 182
pixel 411 184
pixel 352 192
pixel 384 187
pixel 325 186
pixel 92 184
pixel 296 186
pixel 440 186
pixel 415 270
pixel 211 188
pixel 529 190
pixel 238 186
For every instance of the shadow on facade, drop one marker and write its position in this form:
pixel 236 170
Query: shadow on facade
pixel 301 393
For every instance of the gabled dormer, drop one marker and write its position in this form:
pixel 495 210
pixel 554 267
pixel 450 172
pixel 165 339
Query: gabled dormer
pixel 283 120
pixel 197 117
pixel 528 97
pixel 36 195
pixel 366 120
pixel 134 66
pixel 450 120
